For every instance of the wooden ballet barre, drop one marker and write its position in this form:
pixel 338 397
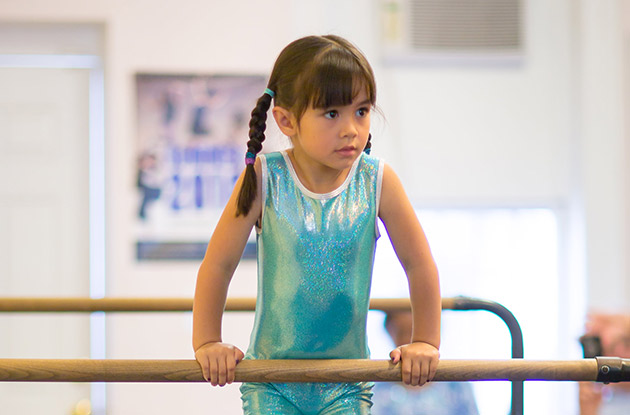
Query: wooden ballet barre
pixel 78 304
pixel 14 304
pixel 336 370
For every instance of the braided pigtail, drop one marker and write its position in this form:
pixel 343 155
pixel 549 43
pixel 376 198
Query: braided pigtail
pixel 257 126
pixel 368 145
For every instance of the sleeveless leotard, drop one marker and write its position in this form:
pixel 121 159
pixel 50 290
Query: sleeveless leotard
pixel 315 258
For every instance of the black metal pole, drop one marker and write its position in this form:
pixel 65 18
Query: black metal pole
pixel 466 303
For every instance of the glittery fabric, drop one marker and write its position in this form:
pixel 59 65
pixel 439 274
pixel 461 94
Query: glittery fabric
pixel 307 398
pixel 315 257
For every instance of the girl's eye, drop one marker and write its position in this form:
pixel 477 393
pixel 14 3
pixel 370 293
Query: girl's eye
pixel 331 114
pixel 362 112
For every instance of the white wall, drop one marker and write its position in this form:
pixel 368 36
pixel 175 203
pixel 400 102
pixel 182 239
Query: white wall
pixel 169 37
pixel 604 134
pixel 548 132
pixel 491 133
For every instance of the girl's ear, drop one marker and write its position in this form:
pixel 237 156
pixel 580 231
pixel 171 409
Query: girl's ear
pixel 285 120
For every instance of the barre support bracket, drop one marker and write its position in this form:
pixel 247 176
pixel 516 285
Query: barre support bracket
pixel 612 369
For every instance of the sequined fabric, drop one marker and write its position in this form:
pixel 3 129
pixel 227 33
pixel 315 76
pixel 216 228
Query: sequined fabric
pixel 315 257
pixel 307 398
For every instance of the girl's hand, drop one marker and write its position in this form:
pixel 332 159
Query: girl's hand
pixel 218 362
pixel 419 362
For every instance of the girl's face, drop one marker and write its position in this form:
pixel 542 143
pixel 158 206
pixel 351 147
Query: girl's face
pixel 334 137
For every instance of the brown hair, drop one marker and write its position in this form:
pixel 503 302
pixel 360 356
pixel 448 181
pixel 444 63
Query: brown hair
pixel 317 71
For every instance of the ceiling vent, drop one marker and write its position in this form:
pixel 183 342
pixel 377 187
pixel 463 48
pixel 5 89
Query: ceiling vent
pixel 490 30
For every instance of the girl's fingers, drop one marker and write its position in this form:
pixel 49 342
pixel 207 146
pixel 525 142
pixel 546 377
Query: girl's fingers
pixel 231 364
pixel 395 355
pixel 411 370
pixel 432 369
pixel 417 368
pixel 238 354
pixel 230 369
pixel 204 364
pixel 410 376
pixel 222 370
pixel 424 372
pixel 205 369
pixel 214 375
pixel 218 363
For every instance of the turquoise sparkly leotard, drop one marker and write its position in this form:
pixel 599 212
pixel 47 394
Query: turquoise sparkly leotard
pixel 315 257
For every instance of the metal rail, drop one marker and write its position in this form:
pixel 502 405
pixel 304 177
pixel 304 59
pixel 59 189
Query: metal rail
pixel 466 304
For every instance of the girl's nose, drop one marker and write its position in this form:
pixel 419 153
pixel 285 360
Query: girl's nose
pixel 349 129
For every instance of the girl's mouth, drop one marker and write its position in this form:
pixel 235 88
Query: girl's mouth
pixel 347 151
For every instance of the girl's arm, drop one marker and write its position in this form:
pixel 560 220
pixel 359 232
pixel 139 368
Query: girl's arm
pixel 217 359
pixel 420 357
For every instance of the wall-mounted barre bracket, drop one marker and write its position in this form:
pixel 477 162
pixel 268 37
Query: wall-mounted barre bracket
pixel 612 369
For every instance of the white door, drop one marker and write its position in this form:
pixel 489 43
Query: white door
pixel 44 225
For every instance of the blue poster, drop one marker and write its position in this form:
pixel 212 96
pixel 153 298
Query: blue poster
pixel 192 134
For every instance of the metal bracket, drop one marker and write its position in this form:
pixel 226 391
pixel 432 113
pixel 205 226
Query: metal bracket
pixel 612 369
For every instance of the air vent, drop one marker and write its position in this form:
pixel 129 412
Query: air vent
pixel 447 27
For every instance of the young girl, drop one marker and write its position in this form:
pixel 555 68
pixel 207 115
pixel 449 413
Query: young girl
pixel 315 208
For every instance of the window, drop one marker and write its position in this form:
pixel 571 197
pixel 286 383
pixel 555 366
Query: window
pixel 510 256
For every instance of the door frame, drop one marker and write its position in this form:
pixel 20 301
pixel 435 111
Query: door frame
pixel 96 188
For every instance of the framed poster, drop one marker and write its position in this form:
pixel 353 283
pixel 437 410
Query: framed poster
pixel 191 142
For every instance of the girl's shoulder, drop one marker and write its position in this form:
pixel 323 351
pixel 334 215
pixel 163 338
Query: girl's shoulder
pixel 371 165
pixel 272 158
pixel 371 160
pixel 273 155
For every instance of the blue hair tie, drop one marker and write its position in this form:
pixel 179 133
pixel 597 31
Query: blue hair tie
pixel 270 92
